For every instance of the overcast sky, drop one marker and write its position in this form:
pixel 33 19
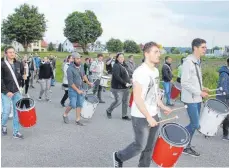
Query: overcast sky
pixel 166 22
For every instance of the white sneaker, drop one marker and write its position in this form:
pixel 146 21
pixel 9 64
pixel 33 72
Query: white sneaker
pixel 111 95
pixel 50 91
pixel 11 115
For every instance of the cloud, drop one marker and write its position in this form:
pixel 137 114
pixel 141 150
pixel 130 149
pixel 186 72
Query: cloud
pixel 139 20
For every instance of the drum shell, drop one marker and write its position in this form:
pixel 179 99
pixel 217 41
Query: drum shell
pixel 88 109
pixel 104 81
pixel 27 117
pixel 211 120
pixel 131 99
pixel 166 154
pixel 176 90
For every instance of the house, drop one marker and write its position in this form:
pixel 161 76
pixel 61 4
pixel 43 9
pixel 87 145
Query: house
pixel 71 47
pixel 97 47
pixel 39 46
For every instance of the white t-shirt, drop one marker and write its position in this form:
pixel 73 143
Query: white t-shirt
pixel 149 80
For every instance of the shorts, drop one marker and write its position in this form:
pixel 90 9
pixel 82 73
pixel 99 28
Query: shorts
pixel 76 100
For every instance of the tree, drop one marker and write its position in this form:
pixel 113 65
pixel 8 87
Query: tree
pixel 114 45
pixel 172 49
pixel 131 47
pixel 215 48
pixel 82 28
pixel 175 50
pixel 60 47
pixel 25 26
pixel 188 51
pixel 50 47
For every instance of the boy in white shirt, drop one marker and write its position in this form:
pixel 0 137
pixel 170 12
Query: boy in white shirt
pixel 144 110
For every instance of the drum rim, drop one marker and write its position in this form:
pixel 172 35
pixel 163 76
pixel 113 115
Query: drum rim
pixel 184 144
pixel 93 96
pixel 20 109
pixel 226 113
pixel 105 77
pixel 176 86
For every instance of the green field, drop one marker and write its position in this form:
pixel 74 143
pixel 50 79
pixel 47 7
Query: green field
pixel 210 66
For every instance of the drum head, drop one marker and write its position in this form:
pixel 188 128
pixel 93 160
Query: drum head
pixel 217 105
pixel 92 99
pixel 175 134
pixel 105 77
pixel 25 103
pixel 177 85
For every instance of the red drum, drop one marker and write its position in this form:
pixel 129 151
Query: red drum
pixel 26 112
pixel 131 99
pixel 176 89
pixel 172 140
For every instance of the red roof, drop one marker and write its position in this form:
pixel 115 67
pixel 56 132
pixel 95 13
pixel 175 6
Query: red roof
pixel 44 44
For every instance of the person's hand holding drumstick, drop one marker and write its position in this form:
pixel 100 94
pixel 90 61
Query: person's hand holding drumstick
pixel 166 109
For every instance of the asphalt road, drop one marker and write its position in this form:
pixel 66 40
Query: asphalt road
pixel 52 143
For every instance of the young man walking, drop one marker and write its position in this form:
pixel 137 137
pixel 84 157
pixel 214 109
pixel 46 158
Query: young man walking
pixel 144 109
pixel 192 89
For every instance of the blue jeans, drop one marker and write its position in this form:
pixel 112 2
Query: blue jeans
pixel 167 88
pixel 76 100
pixel 6 110
pixel 194 116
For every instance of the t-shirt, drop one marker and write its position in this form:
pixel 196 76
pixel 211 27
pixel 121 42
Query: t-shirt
pixel 149 80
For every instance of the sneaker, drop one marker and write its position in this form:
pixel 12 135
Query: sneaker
pixel 39 98
pixel 48 100
pixel 79 123
pixel 116 161
pixel 191 152
pixel 66 120
pixel 18 135
pixel 109 115
pixel 4 130
pixel 225 138
pixel 101 101
pixel 32 87
pixel 126 118
pixel 50 91
pixel 62 104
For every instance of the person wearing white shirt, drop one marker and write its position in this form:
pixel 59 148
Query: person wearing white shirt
pixel 97 68
pixel 144 111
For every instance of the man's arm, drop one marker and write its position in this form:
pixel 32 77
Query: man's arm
pixel 3 86
pixel 70 80
pixel 224 83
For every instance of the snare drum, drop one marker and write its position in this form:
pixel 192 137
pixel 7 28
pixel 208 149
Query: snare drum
pixel 26 112
pixel 104 81
pixel 176 89
pixel 173 138
pixel 214 112
pixel 89 106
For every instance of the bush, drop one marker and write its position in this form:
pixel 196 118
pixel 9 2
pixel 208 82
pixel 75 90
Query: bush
pixel 114 45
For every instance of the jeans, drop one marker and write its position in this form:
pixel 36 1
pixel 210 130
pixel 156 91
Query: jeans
pixel 120 96
pixel 76 100
pixel 194 116
pixel 145 138
pixel 32 77
pixel 53 80
pixel 45 86
pixel 167 88
pixel 6 103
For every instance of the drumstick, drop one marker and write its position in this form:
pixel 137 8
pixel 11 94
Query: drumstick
pixel 180 108
pixel 176 117
pixel 221 94
pixel 220 89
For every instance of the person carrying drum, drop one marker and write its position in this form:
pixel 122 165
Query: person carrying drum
pixel 167 78
pixel 76 76
pixel 12 75
pixel 192 88
pixel 144 109
pixel 97 68
pixel 224 83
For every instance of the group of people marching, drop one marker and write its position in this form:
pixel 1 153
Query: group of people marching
pixel 144 80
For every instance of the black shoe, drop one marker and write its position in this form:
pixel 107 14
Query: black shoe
pixel 101 101
pixel 191 152
pixel 18 136
pixel 79 123
pixel 116 161
pixel 126 118
pixel 225 138
pixel 4 130
pixel 62 104
pixel 170 104
pixel 109 115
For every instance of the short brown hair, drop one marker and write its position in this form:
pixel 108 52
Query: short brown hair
pixel 99 55
pixel 7 48
pixel 147 47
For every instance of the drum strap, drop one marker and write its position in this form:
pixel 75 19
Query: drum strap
pixel 198 75
pixel 13 74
